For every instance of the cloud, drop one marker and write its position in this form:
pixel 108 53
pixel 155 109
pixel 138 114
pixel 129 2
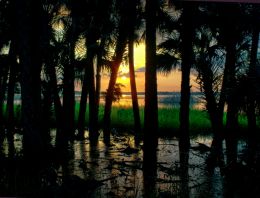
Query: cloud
pixel 120 74
pixel 140 69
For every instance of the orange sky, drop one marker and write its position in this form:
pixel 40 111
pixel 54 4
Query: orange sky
pixel 170 82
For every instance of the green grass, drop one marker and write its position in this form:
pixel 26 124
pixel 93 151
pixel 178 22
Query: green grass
pixel 122 118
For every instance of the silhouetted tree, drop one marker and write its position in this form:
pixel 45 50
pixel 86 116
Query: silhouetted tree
pixel 121 42
pixel 151 105
pixel 252 89
pixel 69 73
pixel 11 89
pixel 30 61
pixel 3 85
pixel 187 34
pixel 132 23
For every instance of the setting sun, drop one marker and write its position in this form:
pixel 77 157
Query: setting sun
pixel 124 78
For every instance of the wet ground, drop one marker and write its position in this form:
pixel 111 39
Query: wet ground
pixel 117 170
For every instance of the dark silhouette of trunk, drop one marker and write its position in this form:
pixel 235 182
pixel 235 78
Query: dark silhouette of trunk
pixel 68 92
pixel 30 61
pixel 50 71
pixel 133 88
pixel 149 178
pixel 54 92
pixel 51 93
pixel 83 105
pixel 84 95
pixel 229 36
pixel 151 105
pixel 88 87
pixel 119 51
pixel 206 73
pixel 251 114
pixel 93 114
pixel 29 49
pixel 184 174
pixel 11 88
pixel 98 82
pixel 216 155
pixel 69 76
pixel 57 105
pixel 132 8
pixel 98 74
pixel 3 85
pixel 187 56
pixel 232 110
pixel 46 111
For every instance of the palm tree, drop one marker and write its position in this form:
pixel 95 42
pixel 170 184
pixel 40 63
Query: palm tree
pixel 151 105
pixel 96 30
pixel 11 89
pixel 3 84
pixel 232 39
pixel 187 34
pixel 133 87
pixel 209 64
pixel 5 34
pixel 219 86
pixel 72 34
pixel 50 90
pixel 252 88
pixel 89 81
pixel 121 42
pixel 132 23
pixel 232 31
pixel 30 60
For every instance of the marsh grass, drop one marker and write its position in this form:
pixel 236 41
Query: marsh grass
pixel 122 118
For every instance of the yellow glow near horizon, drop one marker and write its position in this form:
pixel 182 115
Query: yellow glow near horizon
pixel 124 78
pixel 139 56
pixel 139 62
pixel 170 82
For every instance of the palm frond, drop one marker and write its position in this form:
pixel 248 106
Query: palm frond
pixel 166 62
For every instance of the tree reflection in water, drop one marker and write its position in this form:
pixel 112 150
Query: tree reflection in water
pixel 117 170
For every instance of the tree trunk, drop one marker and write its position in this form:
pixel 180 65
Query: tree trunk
pixel 151 104
pixel 57 103
pixel 89 87
pixel 184 174
pixel 46 112
pixel 30 61
pixel 93 116
pixel 68 93
pixel 251 114
pixel 3 84
pixel 216 155
pixel 83 105
pixel 232 111
pixel 187 56
pixel 98 83
pixel 120 48
pixel 98 74
pixel 133 87
pixel 11 88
